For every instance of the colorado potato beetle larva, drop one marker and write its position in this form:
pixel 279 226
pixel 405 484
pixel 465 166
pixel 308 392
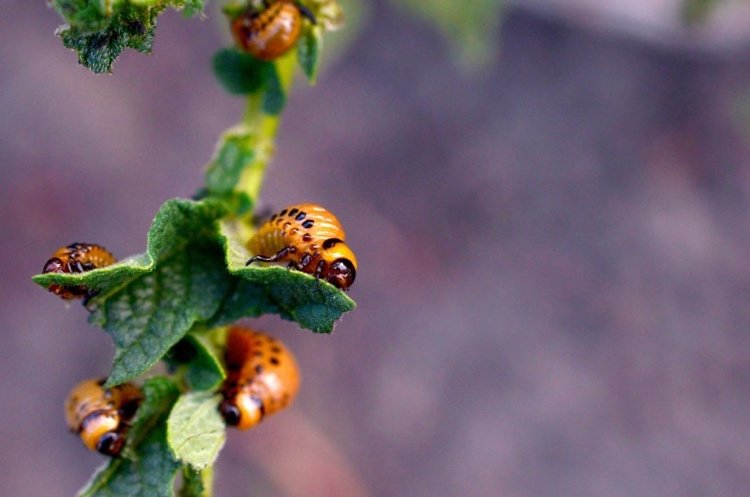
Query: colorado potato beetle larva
pixel 262 378
pixel 271 32
pixel 100 416
pixel 76 258
pixel 309 238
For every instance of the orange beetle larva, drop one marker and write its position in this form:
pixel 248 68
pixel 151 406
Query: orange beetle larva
pixel 101 416
pixel 309 238
pixel 262 378
pixel 76 258
pixel 270 33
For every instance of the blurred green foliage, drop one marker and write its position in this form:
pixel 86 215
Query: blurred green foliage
pixel 697 11
pixel 471 25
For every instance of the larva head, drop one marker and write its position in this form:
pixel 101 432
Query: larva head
pixel 263 378
pixel 76 258
pixel 340 263
pixel 242 410
pixel 99 432
pixel 56 265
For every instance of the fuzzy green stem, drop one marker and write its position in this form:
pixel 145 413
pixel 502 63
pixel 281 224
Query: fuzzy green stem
pixel 208 481
pixel 264 127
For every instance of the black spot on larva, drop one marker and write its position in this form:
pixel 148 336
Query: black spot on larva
pixel 258 369
pixel 293 211
pixel 276 350
pixel 331 242
pixel 273 217
pixel 308 224
pixel 258 354
pixel 301 216
pixel 275 361
pixel 307 237
pixel 282 213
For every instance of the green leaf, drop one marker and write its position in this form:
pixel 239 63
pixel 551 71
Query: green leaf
pixel 195 429
pixel 196 483
pixel 239 72
pixel 99 30
pixel 159 395
pixel 235 152
pixel 148 303
pixel 698 11
pixel 313 304
pixel 151 474
pixel 199 359
pixel 274 96
pixel 308 52
pixel 157 309
pixel 147 468
pixel 193 7
pixel 206 370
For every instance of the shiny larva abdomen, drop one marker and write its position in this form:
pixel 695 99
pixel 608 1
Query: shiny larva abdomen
pixel 263 377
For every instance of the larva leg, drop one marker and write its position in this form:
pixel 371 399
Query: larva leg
pixel 304 261
pixel 319 269
pixel 274 258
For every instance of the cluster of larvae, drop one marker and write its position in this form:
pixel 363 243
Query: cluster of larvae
pixel 262 379
pixel 263 376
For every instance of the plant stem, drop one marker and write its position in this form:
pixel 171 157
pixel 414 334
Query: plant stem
pixel 264 127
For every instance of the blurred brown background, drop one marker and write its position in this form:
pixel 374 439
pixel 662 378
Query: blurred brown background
pixel 554 251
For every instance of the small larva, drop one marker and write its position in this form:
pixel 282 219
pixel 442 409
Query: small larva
pixel 101 416
pixel 76 258
pixel 270 33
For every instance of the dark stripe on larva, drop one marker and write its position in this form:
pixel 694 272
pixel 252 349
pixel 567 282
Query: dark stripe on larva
pixel 90 417
pixel 308 224
pixel 301 216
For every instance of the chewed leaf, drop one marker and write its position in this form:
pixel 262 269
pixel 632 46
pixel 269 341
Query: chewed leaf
pixel 195 429
pixel 314 304
pixel 99 31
